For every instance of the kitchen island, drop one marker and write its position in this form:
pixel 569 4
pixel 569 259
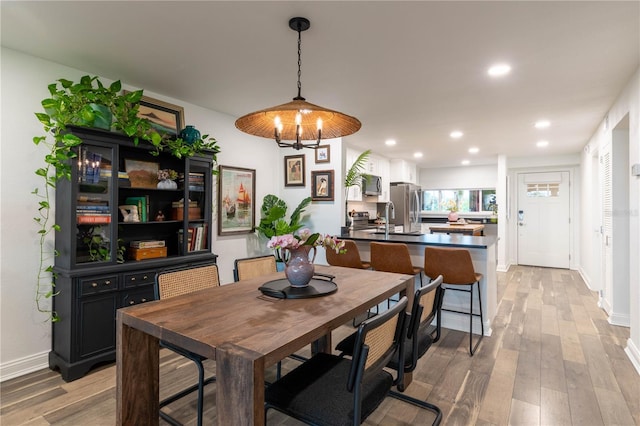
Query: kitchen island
pixel 483 255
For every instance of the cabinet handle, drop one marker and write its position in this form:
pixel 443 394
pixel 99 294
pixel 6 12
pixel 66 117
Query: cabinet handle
pixel 107 282
pixel 145 277
pixel 94 285
pixel 143 300
pixel 133 278
pixel 132 302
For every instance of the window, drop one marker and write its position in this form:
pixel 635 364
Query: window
pixel 462 200
pixel 543 189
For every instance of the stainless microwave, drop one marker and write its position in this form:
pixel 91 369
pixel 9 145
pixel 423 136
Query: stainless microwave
pixel 371 185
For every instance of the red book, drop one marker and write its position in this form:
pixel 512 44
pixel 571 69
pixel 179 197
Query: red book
pixel 94 219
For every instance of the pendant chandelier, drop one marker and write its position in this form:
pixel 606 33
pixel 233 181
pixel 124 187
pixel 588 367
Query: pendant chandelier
pixel 298 121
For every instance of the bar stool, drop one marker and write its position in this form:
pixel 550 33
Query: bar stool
pixel 456 268
pixel 393 257
pixel 350 259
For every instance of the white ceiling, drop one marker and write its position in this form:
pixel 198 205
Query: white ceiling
pixel 413 71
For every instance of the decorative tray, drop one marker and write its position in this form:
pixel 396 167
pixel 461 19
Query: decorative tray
pixel 320 285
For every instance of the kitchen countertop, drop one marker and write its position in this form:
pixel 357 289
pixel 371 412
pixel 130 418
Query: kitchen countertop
pixel 453 240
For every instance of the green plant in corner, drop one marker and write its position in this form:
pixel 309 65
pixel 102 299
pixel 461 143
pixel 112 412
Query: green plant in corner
pixel 272 218
pixel 353 177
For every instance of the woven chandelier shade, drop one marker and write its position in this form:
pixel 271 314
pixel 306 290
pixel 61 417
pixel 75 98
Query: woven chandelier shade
pixel 334 124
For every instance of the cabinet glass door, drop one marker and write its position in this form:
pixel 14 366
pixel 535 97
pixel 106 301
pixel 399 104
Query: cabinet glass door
pixel 199 220
pixel 93 206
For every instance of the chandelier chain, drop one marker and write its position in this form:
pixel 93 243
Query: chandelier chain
pixel 299 64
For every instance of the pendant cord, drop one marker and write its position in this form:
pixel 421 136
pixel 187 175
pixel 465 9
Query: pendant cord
pixel 299 97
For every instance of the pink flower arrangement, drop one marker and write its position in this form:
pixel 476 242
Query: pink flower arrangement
pixel 306 238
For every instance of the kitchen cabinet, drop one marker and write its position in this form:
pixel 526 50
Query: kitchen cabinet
pixel 95 270
pixel 404 171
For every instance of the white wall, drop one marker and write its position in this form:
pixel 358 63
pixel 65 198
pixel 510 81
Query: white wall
pixel 627 103
pixel 25 333
pixel 470 177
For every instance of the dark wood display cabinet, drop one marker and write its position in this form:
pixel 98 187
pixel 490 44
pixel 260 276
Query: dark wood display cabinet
pixel 118 229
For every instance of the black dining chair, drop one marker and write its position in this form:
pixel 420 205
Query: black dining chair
pixel 333 390
pixel 421 333
pixel 175 282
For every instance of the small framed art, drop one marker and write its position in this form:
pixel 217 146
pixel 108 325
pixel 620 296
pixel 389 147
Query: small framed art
pixel 322 183
pixel 164 117
pixel 236 200
pixel 294 170
pixel 323 154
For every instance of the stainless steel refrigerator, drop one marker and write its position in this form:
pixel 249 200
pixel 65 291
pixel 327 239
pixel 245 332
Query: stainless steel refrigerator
pixel 406 199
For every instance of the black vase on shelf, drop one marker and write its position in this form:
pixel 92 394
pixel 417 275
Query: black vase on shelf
pixel 190 134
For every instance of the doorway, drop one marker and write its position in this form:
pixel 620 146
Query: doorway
pixel 614 161
pixel 543 219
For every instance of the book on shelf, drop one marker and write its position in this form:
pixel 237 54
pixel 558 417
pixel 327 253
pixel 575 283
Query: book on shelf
pixel 85 219
pixel 189 238
pixel 179 204
pixel 147 243
pixel 197 245
pixel 97 208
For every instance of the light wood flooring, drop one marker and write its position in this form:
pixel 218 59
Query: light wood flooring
pixel 553 359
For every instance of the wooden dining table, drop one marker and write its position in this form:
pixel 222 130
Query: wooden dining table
pixel 244 331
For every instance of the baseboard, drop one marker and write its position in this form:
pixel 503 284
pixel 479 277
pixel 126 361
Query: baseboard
pixel 503 268
pixel 633 353
pixel 619 320
pixel 585 278
pixel 22 366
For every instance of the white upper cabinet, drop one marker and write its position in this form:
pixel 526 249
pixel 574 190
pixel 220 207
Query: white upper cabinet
pixel 403 171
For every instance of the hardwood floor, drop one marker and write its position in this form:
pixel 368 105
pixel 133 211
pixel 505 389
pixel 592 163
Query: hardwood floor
pixel 553 359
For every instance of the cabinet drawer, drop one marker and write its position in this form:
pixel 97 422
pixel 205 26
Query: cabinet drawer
pixel 135 297
pixel 95 285
pixel 139 278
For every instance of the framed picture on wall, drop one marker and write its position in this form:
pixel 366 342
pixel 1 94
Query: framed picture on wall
pixel 323 154
pixel 164 117
pixel 294 170
pixel 322 185
pixel 236 200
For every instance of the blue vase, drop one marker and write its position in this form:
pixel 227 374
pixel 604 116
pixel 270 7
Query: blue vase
pixel 190 134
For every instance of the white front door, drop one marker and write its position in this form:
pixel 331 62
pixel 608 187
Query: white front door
pixel 543 219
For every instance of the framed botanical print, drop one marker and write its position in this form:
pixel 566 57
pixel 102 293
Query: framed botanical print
pixel 236 200
pixel 323 154
pixel 294 170
pixel 322 184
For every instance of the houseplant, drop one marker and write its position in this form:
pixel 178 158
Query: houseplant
pixel 273 213
pixel 353 177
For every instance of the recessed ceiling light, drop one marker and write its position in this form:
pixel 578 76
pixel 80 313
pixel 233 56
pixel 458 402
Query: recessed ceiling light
pixel 542 144
pixel 474 150
pixel 417 155
pixel 390 142
pixel 542 124
pixel 456 134
pixel 499 70
pixel 465 162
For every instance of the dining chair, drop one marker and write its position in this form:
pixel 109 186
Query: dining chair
pixel 456 267
pixel 332 390
pixel 349 259
pixel 393 257
pixel 420 335
pixel 251 267
pixel 175 282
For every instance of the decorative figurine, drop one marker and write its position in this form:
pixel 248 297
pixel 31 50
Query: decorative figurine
pixel 160 216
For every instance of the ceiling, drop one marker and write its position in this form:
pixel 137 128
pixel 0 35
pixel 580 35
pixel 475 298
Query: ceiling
pixel 413 71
